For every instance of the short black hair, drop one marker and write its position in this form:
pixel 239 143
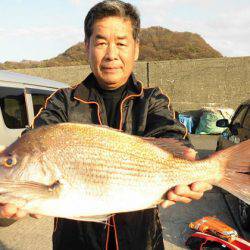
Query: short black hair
pixel 110 8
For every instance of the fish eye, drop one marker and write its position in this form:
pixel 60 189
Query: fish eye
pixel 9 162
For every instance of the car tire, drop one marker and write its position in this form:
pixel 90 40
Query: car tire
pixel 244 213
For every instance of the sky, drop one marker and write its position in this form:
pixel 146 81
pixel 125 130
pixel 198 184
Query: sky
pixel 38 30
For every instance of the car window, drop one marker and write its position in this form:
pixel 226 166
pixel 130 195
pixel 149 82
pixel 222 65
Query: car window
pixel 13 107
pixel 246 122
pixel 239 116
pixel 38 101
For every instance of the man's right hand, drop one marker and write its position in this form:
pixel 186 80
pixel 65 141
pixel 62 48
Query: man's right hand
pixel 9 211
pixel 9 214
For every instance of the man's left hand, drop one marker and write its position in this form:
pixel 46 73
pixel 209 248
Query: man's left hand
pixel 186 194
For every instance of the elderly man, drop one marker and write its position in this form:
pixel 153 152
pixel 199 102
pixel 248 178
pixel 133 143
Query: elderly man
pixel 112 96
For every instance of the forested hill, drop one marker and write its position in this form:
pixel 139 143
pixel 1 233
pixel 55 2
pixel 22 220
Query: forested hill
pixel 156 44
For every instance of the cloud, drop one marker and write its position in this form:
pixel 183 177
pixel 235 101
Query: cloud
pixel 163 5
pixel 37 43
pixel 46 33
pixel 86 4
pixel 196 2
pixel 227 29
pixel 76 2
pixel 225 26
pixel 231 32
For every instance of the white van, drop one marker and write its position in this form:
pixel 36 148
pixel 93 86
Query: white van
pixel 21 97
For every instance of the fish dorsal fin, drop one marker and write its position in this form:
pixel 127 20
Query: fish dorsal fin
pixel 174 146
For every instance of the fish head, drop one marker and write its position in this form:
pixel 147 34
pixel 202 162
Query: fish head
pixel 25 160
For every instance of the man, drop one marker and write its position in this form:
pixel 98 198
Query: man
pixel 112 96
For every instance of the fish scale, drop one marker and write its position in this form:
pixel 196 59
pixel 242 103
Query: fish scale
pixel 88 172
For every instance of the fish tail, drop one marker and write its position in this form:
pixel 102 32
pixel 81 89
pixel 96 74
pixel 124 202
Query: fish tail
pixel 235 162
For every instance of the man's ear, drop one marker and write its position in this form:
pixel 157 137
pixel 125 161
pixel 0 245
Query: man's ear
pixel 86 46
pixel 137 50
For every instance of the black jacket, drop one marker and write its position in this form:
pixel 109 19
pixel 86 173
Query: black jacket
pixel 143 112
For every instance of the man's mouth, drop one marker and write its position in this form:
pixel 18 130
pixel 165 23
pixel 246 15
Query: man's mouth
pixel 110 68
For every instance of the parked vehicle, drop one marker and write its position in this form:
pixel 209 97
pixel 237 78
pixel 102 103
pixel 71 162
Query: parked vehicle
pixel 21 97
pixel 237 130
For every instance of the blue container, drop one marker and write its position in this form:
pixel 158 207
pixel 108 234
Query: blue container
pixel 187 121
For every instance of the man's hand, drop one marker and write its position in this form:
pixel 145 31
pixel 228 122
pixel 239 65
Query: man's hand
pixel 186 194
pixel 9 211
pixel 183 193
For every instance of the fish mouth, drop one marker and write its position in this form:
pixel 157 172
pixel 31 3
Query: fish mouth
pixel 3 193
pixel 28 189
pixel 6 195
pixel 3 188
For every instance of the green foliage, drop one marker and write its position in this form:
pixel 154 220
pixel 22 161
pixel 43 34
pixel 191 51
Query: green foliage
pixel 156 44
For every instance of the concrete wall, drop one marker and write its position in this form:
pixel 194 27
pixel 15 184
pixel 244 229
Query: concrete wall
pixel 190 84
pixel 75 74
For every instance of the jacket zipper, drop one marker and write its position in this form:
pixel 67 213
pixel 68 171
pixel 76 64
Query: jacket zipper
pixel 121 106
pixel 98 108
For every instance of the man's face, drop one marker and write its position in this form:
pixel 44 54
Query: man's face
pixel 112 51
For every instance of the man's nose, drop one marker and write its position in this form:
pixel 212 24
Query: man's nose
pixel 112 52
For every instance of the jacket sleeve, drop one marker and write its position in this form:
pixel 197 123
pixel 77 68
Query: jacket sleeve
pixel 55 110
pixel 161 121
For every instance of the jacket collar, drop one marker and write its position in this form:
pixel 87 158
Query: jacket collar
pixel 87 90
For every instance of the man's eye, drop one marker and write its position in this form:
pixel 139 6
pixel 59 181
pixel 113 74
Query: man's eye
pixel 101 44
pixel 121 44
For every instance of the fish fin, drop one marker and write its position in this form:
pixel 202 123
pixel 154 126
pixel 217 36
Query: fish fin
pixel 5 198
pixel 28 190
pixel 174 146
pixel 236 163
pixel 99 218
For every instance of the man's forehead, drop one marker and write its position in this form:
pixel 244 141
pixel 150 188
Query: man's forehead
pixel 122 27
pixel 104 36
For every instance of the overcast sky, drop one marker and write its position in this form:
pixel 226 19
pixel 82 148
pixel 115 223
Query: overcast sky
pixel 37 30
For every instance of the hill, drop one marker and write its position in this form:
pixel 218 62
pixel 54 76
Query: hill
pixel 156 44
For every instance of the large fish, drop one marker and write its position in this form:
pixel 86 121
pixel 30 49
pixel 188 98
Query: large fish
pixel 88 172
